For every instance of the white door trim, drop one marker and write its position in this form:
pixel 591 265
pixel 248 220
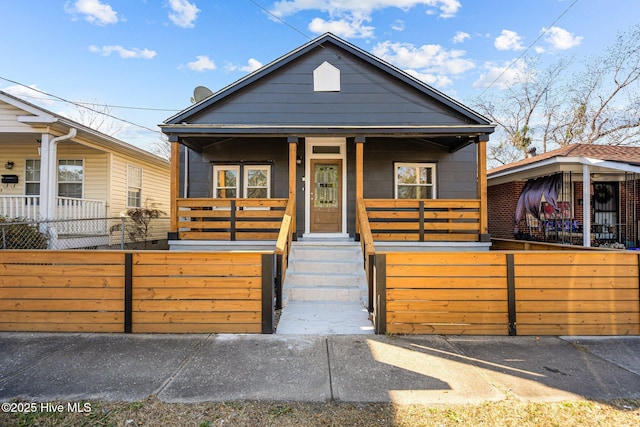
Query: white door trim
pixel 309 143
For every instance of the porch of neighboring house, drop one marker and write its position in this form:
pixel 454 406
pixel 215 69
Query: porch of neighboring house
pixel 608 218
pixel 325 231
pixel 48 182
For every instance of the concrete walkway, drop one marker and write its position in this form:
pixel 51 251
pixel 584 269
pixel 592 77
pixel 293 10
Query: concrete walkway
pixel 345 368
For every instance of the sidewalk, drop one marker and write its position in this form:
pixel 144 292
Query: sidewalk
pixel 346 368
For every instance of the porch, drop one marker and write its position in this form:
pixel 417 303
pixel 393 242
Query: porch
pixel 27 207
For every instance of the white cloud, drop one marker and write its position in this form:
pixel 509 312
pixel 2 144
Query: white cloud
pixel 461 36
pixel 347 17
pixel 123 52
pixel 501 76
pixel 252 65
pixel 349 27
pixel 560 38
pixel 30 94
pixel 508 40
pixel 183 14
pixel 398 25
pixel 431 63
pixel 94 11
pixel 202 63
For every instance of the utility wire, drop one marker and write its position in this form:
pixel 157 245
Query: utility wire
pixel 546 30
pixel 78 104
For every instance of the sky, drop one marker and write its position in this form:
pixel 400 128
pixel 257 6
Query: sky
pixel 143 58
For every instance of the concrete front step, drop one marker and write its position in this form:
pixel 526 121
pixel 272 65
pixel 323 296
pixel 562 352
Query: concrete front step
pixel 323 272
pixel 321 318
pixel 313 266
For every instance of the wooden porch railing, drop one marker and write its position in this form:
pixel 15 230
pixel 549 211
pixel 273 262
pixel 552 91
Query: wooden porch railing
pixel 230 219
pixel 368 247
pixel 424 220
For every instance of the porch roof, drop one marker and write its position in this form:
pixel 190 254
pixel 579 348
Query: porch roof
pixel 600 158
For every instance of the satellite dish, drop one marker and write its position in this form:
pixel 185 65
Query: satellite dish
pixel 200 93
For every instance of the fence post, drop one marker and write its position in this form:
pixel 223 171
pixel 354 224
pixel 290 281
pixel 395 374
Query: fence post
pixel 278 282
pixel 128 292
pixel 511 294
pixel 421 209
pixel 267 292
pixel 380 294
pixel 232 221
pixel 124 224
pixel 371 279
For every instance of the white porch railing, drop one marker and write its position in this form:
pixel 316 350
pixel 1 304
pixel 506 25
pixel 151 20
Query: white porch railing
pixel 26 207
pixel 72 208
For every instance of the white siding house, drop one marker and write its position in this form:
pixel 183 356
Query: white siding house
pixel 54 168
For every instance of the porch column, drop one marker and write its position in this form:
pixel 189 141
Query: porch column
pixel 45 175
pixel 359 174
pixel 175 184
pixel 293 166
pixel 482 188
pixel 586 205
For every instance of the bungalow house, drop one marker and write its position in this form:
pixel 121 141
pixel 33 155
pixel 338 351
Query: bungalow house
pixel 544 197
pixel 329 145
pixel 56 169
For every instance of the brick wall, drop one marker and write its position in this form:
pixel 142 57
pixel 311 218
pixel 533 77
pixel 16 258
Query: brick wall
pixel 502 201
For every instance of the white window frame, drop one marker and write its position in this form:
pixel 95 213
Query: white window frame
pixel 26 181
pixel 416 165
pixel 70 182
pixel 217 168
pixel 130 185
pixel 245 178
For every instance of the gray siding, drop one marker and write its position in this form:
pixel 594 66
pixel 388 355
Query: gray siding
pixel 368 96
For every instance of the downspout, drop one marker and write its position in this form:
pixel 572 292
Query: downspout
pixel 51 203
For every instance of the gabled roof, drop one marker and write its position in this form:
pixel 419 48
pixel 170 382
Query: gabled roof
pixel 37 117
pixel 348 47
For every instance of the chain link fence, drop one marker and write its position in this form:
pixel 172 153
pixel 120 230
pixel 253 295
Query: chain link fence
pixel 91 234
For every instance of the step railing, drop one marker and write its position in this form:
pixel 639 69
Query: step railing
pixel 283 248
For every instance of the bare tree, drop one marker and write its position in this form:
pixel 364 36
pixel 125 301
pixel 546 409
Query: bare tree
pixel 161 147
pixel 96 116
pixel 604 99
pixel 524 110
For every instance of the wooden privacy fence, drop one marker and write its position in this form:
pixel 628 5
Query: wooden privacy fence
pixel 507 293
pixel 149 291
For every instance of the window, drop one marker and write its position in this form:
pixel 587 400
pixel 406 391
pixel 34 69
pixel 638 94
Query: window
pixel 253 180
pixel 70 178
pixel 415 180
pixel 256 181
pixel 32 177
pixel 326 78
pixel 134 187
pixel 226 181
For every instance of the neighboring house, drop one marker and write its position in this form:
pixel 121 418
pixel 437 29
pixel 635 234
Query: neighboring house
pixel 543 197
pixel 325 126
pixel 56 169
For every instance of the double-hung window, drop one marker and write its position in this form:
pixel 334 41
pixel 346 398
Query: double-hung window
pixel 134 187
pixel 70 178
pixel 226 181
pixel 415 180
pixel 256 181
pixel 32 177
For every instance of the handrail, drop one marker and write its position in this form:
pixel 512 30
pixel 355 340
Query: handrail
pixel 285 235
pixel 366 238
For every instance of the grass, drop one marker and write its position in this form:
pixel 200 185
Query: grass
pixel 152 412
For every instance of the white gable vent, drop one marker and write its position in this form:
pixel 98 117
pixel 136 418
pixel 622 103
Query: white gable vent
pixel 326 78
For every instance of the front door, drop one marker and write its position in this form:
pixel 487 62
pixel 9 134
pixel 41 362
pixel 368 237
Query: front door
pixel 326 196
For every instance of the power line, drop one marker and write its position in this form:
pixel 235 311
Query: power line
pixel 546 30
pixel 80 104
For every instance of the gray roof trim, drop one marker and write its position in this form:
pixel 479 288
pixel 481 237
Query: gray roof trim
pixel 356 51
pixel 324 129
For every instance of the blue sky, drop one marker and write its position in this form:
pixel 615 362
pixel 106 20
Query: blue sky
pixel 149 55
